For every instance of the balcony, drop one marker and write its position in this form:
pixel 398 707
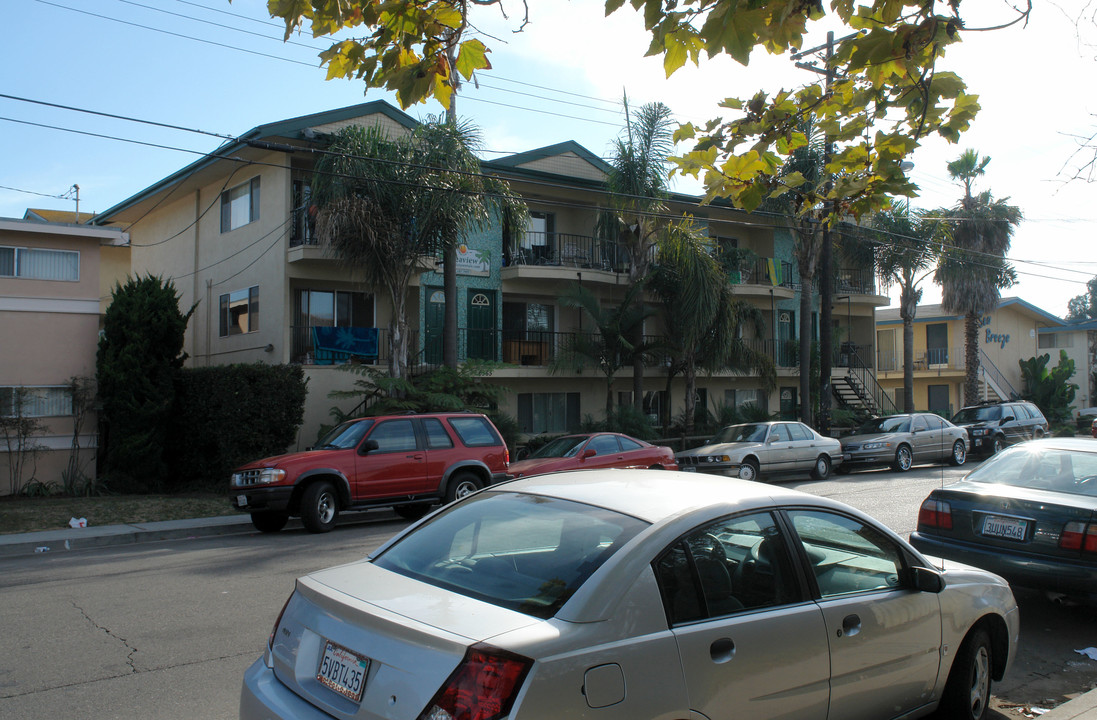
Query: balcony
pixel 758 276
pixel 566 250
pixel 937 361
pixel 855 281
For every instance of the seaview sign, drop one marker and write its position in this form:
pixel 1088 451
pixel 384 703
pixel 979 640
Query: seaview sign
pixel 993 337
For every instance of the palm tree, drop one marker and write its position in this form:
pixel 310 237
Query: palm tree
pixel 638 185
pixel 904 255
pixel 611 347
pixel 703 320
pixel 972 269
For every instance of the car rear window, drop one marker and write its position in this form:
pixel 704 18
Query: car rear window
pixel 475 431
pixel 1041 467
pixel 522 552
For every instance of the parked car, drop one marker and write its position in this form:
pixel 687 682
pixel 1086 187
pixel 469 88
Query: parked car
pixel 751 450
pixel 1093 428
pixel 591 451
pixel 993 426
pixel 619 595
pixel 1028 514
pixel 406 461
pixel 903 440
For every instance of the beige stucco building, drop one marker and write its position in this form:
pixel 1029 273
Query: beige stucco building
pixel 55 281
pixel 1006 336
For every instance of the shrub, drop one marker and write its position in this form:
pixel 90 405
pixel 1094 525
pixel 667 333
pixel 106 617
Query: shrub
pixel 228 415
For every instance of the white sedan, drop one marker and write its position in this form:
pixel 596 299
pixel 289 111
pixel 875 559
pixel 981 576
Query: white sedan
pixel 633 595
pixel 751 450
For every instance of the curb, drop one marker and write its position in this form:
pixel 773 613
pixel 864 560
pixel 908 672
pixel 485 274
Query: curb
pixel 107 535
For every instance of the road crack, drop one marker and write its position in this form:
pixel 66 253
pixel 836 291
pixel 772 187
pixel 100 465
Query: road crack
pixel 110 633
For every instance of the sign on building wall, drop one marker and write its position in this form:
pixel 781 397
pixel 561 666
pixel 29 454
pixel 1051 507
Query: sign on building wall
pixel 473 262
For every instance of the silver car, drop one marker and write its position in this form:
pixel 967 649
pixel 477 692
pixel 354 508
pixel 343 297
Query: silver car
pixel 751 450
pixel 901 441
pixel 633 595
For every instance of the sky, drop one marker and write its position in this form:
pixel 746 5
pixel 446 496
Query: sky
pixel 221 68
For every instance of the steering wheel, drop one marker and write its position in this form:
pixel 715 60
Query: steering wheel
pixel 710 545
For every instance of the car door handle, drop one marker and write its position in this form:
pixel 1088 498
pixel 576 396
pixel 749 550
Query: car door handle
pixel 721 650
pixel 851 625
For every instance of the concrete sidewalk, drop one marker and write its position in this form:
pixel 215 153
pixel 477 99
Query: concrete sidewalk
pixel 1083 707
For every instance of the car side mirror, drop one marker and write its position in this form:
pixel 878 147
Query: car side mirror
pixel 1007 418
pixel 927 580
pixel 368 446
pixel 589 452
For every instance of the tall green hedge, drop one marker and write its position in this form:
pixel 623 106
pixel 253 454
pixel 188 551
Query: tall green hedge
pixel 231 414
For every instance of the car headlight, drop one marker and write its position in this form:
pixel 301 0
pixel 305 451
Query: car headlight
pixel 875 445
pixel 266 476
pixel 979 431
pixel 715 459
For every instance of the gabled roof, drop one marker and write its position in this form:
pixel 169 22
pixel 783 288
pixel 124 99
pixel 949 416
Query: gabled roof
pixel 57 216
pixel 890 316
pixel 293 128
pixel 518 160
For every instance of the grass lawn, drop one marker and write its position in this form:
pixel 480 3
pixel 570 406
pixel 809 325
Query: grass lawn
pixel 31 514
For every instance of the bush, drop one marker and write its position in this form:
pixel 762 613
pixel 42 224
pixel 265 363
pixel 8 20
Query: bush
pixel 228 415
pixel 1062 431
pixel 623 419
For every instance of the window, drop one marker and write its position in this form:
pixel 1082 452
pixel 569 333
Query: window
pixel 919 424
pixel 846 555
pixel 240 205
pixel 780 433
pixel 800 432
pixel 26 401
pixel 935 422
pixel 39 264
pixel 475 431
pixel 240 312
pixel 739 563
pixel 548 412
pixel 437 437
pixel 394 436
pixel 604 445
pixel 741 398
pixel 629 444
pixel 937 343
pixel 938 399
pixel 1055 340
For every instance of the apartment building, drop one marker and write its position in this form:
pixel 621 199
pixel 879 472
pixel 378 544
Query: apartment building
pixel 55 281
pixel 232 231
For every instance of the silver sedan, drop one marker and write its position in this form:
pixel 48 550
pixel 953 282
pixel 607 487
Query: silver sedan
pixel 638 595
pixel 751 450
pixel 901 441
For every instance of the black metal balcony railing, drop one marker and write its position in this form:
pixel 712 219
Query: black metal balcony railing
pixel 567 250
pixel 303 229
pixel 855 281
pixel 764 271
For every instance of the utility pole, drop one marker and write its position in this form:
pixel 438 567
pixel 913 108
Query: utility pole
pixel 825 315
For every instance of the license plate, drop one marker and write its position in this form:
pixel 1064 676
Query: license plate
pixel 846 456
pixel 689 468
pixel 1004 527
pixel 343 670
pixel 242 500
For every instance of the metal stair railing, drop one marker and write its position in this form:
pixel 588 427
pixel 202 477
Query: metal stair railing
pixel 994 376
pixel 864 382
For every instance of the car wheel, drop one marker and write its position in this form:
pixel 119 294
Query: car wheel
pixel 998 445
pixel 319 507
pixel 967 692
pixel 959 453
pixel 1038 434
pixel 269 522
pixel 903 459
pixel 821 470
pixel 460 485
pixel 749 469
pixel 414 511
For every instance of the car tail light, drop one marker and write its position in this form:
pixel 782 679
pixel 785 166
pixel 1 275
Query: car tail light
pixel 274 630
pixel 483 687
pixel 935 513
pixel 1079 536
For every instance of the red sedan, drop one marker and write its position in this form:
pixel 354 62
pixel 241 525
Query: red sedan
pixel 591 451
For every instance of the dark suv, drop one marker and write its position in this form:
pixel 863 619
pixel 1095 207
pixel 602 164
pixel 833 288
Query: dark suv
pixel 993 426
pixel 408 462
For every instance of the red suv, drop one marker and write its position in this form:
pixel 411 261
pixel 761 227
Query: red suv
pixel 406 461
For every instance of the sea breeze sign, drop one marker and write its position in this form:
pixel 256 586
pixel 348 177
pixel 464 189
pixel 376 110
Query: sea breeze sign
pixel 992 337
pixel 469 262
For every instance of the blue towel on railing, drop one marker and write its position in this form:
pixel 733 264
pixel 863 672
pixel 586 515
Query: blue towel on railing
pixel 360 341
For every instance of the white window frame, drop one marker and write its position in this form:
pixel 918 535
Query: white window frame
pixel 240 205
pixel 249 296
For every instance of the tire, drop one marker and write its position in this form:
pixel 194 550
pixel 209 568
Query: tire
pixel 959 454
pixel 460 485
pixel 998 445
pixel 319 507
pixel 269 522
pixel 412 511
pixel 821 469
pixel 967 692
pixel 903 459
pixel 1038 434
pixel 843 469
pixel 749 469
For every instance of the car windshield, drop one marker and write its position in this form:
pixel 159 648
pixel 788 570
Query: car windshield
pixel 1046 468
pixel 345 436
pixel 899 423
pixel 561 447
pixel 522 552
pixel 978 414
pixel 754 432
